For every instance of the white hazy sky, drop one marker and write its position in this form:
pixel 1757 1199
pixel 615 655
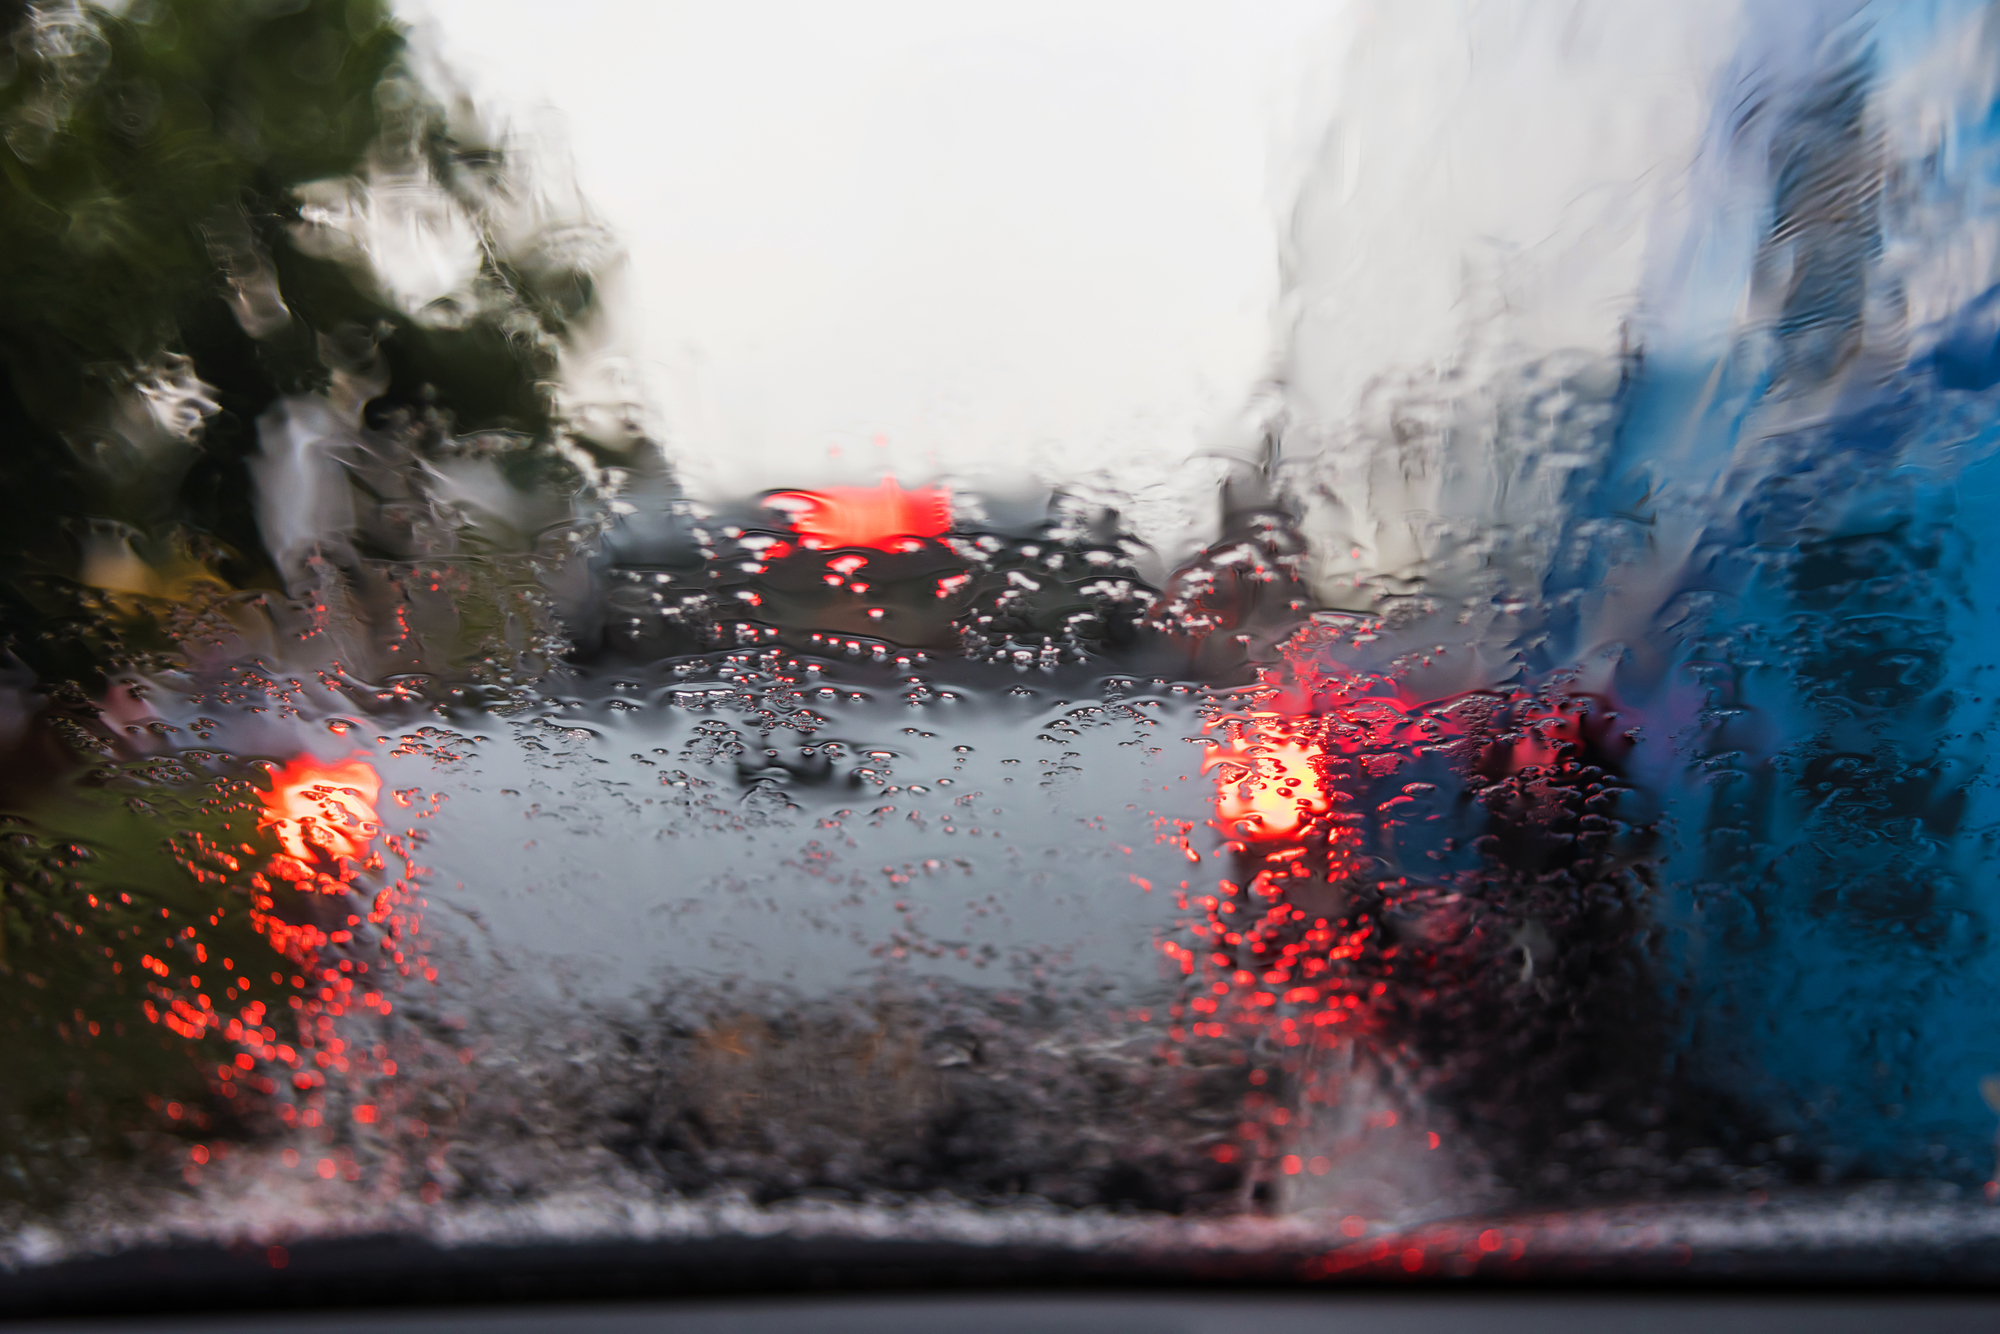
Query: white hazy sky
pixel 1026 237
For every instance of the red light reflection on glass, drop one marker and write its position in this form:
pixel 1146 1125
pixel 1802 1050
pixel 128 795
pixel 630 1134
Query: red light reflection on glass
pixel 1266 784
pixel 1327 767
pixel 323 815
pixel 1268 953
pixel 290 1022
pixel 884 517
pixel 320 810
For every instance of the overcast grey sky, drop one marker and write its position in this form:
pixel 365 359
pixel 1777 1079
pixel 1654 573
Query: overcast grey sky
pixel 999 236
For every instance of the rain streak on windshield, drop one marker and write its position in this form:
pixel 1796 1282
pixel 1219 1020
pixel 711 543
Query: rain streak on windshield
pixel 1552 778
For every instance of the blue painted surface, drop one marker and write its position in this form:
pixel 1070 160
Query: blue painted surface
pixel 1821 735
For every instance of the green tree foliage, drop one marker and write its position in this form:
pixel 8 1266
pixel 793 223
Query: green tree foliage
pixel 189 194
pixel 172 173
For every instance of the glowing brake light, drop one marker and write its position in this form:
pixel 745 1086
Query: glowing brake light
pixel 884 517
pixel 1267 786
pixel 321 810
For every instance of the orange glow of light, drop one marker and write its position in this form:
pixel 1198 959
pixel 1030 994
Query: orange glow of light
pixel 1267 786
pixel 323 820
pixel 1299 778
pixel 884 517
pixel 320 810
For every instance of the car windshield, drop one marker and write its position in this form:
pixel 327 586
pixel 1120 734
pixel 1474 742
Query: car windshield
pixel 1301 644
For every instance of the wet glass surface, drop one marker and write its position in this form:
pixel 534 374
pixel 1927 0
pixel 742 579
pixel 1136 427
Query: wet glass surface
pixel 1529 796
